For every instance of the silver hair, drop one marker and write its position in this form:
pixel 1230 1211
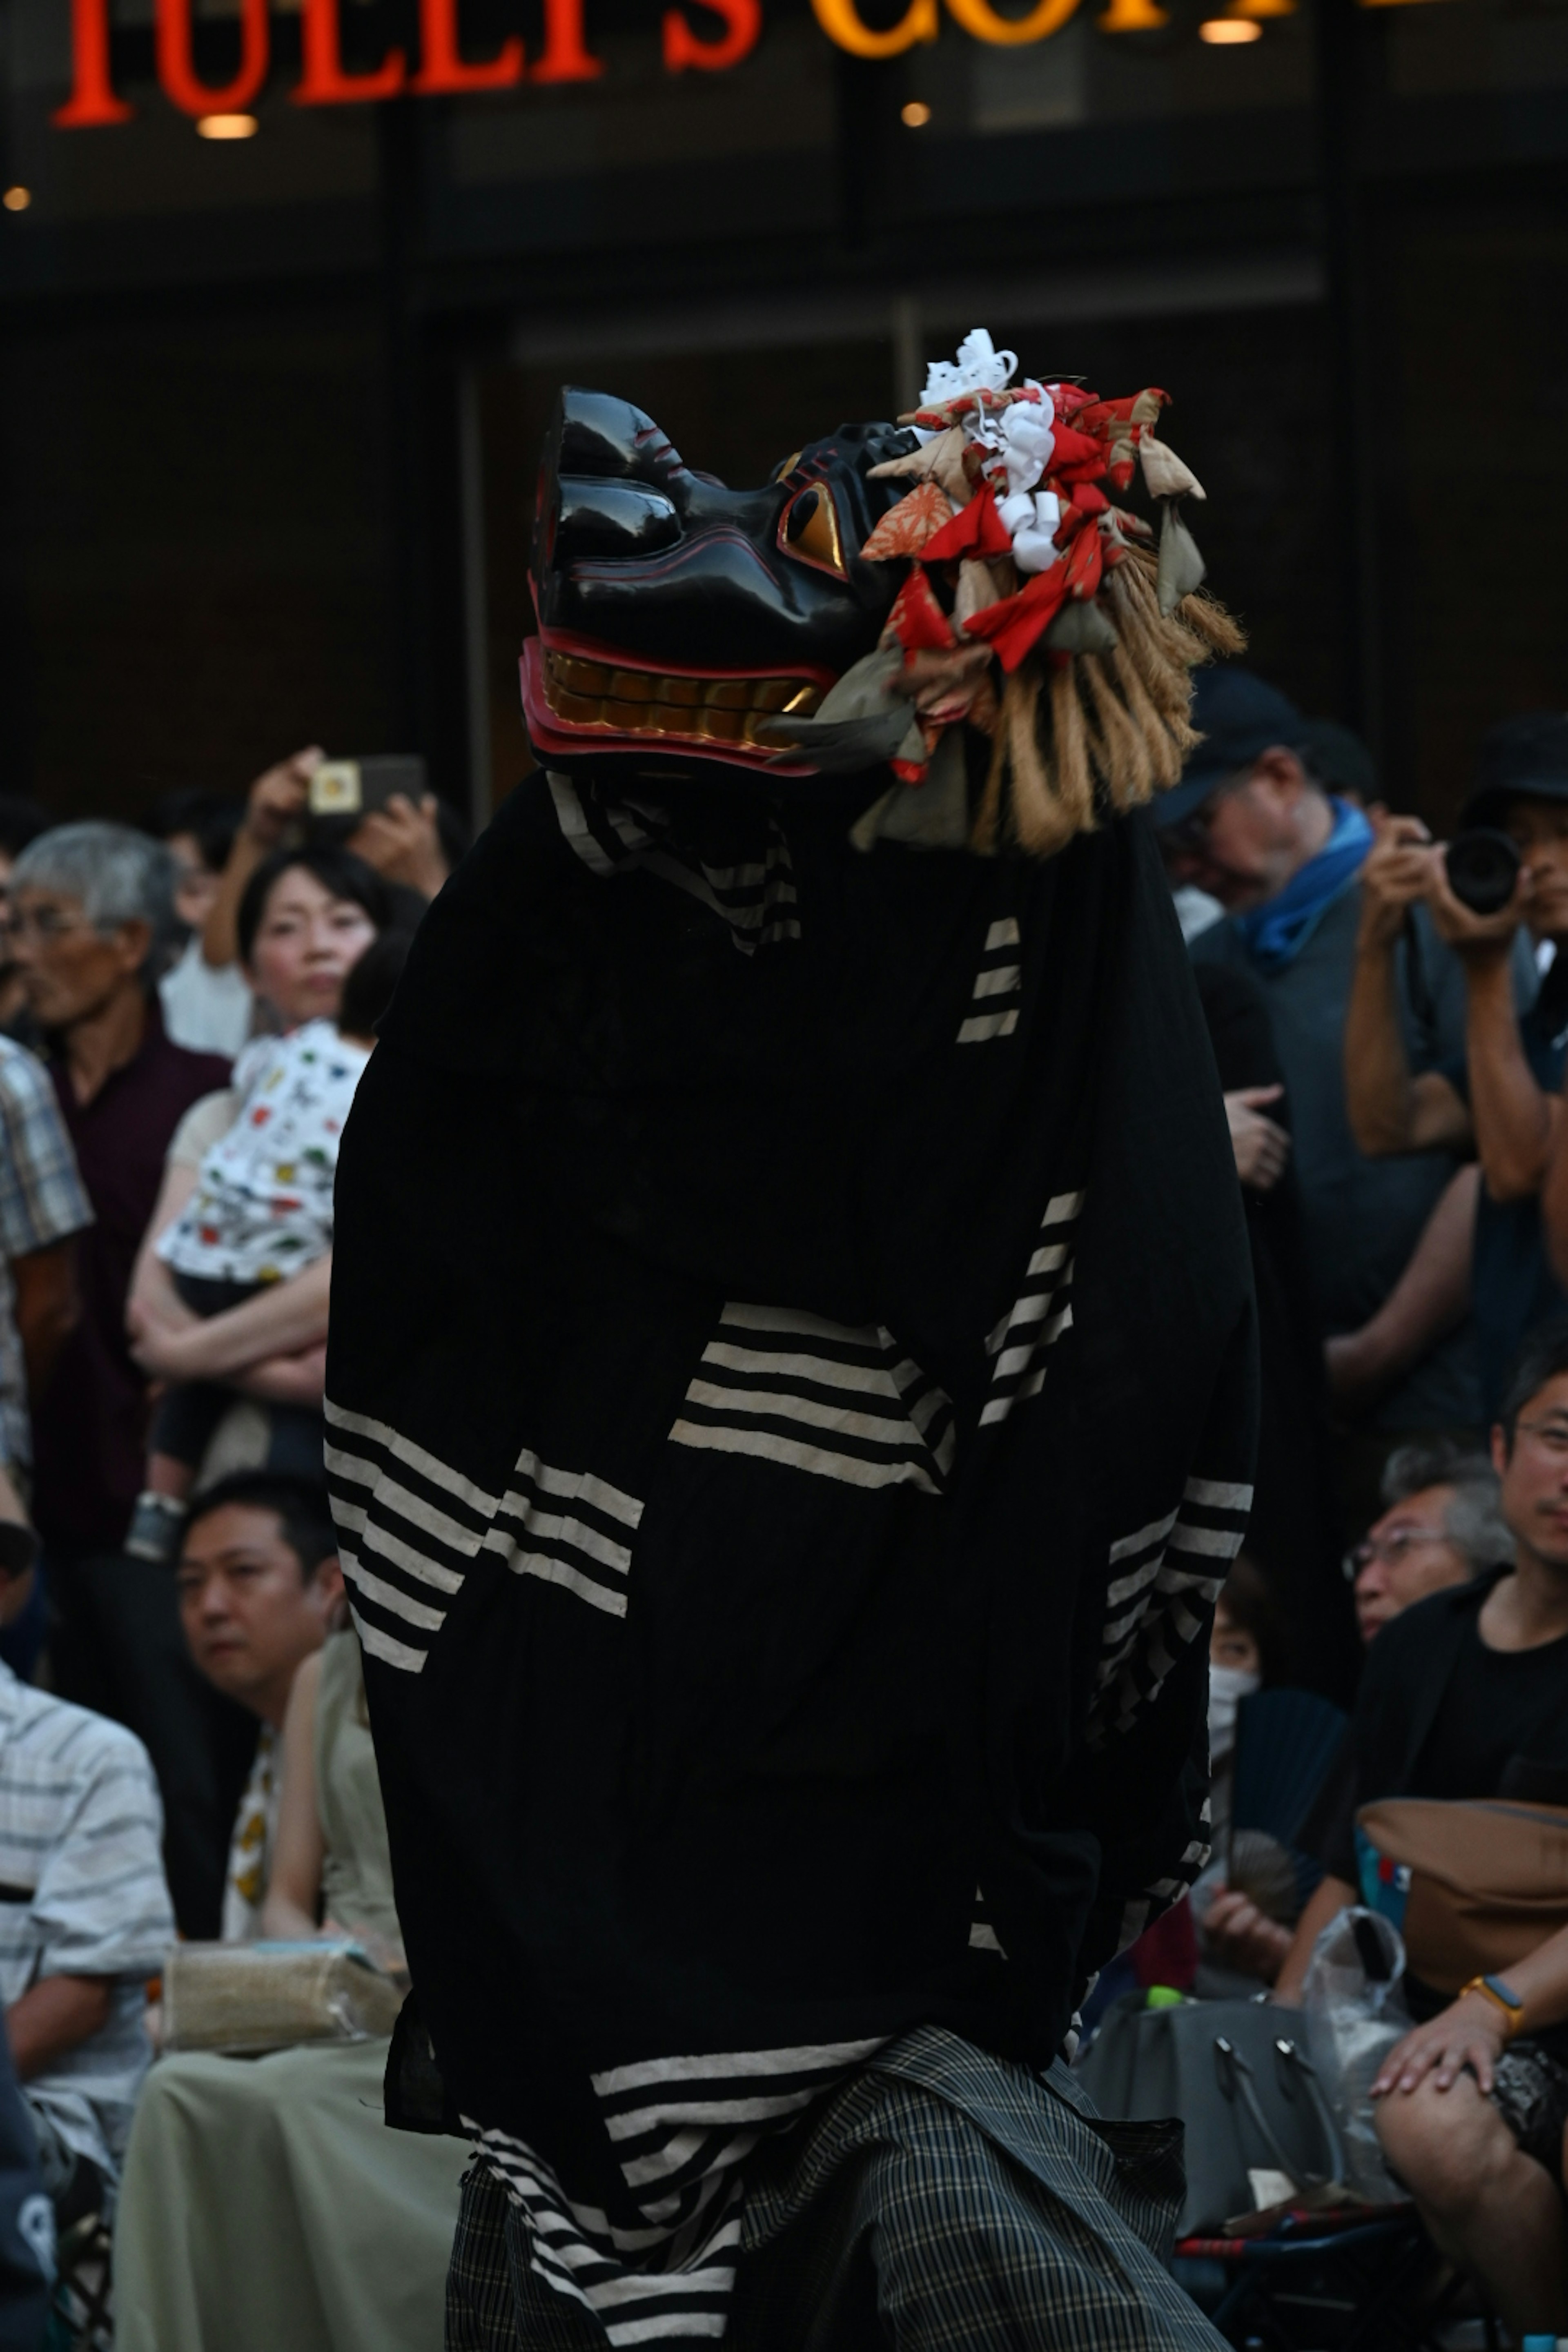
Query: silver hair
pixel 1473 1521
pixel 118 875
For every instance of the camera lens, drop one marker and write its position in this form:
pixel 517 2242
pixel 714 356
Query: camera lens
pixel 1482 866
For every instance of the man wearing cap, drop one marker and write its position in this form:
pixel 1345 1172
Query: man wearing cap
pixel 1499 1096
pixel 1251 824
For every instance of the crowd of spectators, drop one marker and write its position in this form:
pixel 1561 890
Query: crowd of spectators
pixel 1397 1118
pixel 186 1009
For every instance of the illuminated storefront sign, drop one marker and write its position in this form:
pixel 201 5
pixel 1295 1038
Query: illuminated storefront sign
pixel 442 71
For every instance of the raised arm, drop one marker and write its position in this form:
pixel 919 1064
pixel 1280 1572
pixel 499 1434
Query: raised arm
pixel 275 805
pixel 1390 1109
pixel 1513 1117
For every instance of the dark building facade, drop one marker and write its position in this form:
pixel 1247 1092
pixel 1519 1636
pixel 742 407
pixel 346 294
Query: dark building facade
pixel 272 405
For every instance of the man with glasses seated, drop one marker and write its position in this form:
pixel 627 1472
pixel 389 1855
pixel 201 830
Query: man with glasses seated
pixel 1251 824
pixel 92 908
pixel 1443 1526
pixel 1465 1697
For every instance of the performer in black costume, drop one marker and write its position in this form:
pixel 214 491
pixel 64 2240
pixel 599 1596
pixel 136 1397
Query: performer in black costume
pixel 791 1397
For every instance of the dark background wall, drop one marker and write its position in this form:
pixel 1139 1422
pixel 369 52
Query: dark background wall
pixel 194 549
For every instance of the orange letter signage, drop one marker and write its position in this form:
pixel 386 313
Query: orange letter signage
pixel 176 67
pixel 93 98
pixel 742 21
pixel 323 81
pixel 979 17
pixel 842 22
pixel 442 67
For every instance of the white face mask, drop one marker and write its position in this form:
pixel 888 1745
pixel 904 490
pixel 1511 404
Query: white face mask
pixel 1229 1685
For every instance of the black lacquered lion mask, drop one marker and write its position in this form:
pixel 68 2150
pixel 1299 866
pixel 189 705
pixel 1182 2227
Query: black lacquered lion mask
pixel 893 592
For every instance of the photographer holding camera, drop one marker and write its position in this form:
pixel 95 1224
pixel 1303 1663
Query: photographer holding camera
pixel 1499 1097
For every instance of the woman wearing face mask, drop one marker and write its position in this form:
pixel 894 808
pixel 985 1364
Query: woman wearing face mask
pixel 1237 1940
pixel 230 1292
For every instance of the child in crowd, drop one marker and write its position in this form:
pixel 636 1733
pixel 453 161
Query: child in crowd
pixel 260 1210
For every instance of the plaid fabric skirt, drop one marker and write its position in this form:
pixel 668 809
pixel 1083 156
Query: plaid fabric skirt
pixel 941 2201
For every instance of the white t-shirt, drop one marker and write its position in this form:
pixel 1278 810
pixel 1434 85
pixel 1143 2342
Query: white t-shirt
pixel 206 1007
pixel 262 1207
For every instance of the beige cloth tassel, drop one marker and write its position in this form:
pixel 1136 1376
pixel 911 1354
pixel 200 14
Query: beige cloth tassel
pixel 1070 751
pixel 1040 823
pixel 1118 750
pixel 1164 755
pixel 1207 618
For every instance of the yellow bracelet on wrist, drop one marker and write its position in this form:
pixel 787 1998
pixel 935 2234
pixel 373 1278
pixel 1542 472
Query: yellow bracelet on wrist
pixel 1503 1999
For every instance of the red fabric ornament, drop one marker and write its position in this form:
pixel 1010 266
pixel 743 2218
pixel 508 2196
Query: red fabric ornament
pixel 905 529
pixel 975 530
pixel 1083 563
pixel 1012 626
pixel 917 620
pixel 1068 399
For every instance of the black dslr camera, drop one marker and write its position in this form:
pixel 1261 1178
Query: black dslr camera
pixel 1482 866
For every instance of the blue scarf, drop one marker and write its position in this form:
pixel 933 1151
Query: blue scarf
pixel 1275 933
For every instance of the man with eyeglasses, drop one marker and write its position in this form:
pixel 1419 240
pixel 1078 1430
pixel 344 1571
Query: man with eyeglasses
pixel 1443 1525
pixel 1465 1697
pixel 1251 824
pixel 91 906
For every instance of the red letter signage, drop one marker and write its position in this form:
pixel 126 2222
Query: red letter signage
pixel 565 57
pixel 743 22
pixel 442 67
pixel 176 67
pixel 323 81
pixel 92 99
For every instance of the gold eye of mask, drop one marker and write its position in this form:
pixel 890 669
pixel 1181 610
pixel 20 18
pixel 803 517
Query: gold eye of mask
pixel 808 529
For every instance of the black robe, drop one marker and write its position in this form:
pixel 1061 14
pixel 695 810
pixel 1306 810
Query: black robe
pixel 791 1405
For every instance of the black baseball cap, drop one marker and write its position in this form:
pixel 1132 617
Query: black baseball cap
pixel 1520 759
pixel 1239 717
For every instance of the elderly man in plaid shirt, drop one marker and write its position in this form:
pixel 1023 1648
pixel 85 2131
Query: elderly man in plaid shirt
pixel 43 1208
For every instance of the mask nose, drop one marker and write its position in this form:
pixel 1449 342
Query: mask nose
pixel 595 521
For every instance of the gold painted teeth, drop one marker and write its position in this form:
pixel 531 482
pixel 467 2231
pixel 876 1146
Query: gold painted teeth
pixel 642 702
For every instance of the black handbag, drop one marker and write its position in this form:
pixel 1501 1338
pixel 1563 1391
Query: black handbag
pixel 1235 2073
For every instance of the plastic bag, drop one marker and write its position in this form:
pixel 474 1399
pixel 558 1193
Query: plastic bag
pixel 1355 2014
pixel 249 1998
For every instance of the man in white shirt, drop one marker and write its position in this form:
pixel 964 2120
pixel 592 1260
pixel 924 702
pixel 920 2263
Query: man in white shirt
pixel 84 1920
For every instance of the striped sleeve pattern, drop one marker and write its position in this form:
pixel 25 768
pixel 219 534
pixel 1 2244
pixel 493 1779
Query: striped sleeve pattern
pixel 1020 1344
pixel 1165 1579
pixel 998 992
pixel 832 1400
pixel 410 1528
